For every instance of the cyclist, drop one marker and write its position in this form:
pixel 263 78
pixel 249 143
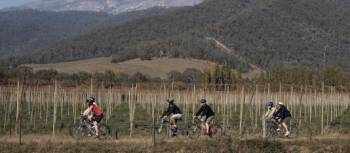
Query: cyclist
pixel 283 117
pixel 93 113
pixel 175 114
pixel 205 114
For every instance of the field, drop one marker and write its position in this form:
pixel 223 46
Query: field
pixel 41 117
pixel 154 68
pixel 158 67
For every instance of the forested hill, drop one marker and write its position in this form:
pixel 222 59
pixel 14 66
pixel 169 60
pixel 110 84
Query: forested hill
pixel 22 31
pixel 266 33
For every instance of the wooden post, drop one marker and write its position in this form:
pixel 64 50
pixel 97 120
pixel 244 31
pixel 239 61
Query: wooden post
pixel 264 126
pixel 153 125
pixel 132 103
pixel 322 103
pixel 17 109
pixel 54 109
pixel 241 111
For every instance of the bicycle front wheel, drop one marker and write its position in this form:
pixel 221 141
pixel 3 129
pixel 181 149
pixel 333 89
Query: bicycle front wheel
pixel 78 132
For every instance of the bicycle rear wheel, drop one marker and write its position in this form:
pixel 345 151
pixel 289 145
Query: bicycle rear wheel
pixel 104 132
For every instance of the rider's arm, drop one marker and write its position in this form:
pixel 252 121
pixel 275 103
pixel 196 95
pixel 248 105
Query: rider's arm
pixel 87 111
pixel 167 112
pixel 199 111
pixel 267 113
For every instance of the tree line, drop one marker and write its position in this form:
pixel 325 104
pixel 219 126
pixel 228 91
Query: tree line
pixel 219 77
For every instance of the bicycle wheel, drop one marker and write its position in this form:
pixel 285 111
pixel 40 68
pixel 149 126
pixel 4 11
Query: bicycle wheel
pixel 104 132
pixel 78 132
pixel 195 132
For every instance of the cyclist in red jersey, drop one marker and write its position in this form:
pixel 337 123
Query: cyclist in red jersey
pixel 93 113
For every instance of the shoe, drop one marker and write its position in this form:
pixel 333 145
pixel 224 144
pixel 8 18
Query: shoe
pixel 278 130
pixel 97 137
pixel 287 134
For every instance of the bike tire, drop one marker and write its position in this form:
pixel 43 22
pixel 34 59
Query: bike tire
pixel 105 132
pixel 78 132
pixel 195 132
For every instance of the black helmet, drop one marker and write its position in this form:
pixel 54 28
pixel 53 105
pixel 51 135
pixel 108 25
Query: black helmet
pixel 203 101
pixel 90 100
pixel 170 101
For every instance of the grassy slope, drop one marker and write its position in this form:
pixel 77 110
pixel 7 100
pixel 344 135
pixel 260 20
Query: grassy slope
pixel 154 68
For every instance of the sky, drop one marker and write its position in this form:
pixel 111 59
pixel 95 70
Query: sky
pixel 10 3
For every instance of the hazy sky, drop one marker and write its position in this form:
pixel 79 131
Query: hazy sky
pixel 9 3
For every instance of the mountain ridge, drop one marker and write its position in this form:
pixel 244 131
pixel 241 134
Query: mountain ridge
pixel 25 30
pixel 107 6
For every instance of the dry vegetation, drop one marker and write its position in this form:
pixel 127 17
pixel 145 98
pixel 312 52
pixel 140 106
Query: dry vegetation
pixel 224 144
pixel 155 68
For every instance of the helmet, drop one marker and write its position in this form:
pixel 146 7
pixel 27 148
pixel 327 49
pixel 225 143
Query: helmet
pixel 90 100
pixel 269 104
pixel 170 100
pixel 203 101
pixel 280 103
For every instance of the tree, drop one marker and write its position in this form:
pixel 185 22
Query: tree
pixel 192 76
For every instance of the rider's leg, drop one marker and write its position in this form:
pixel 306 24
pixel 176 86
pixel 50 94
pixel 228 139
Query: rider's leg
pixel 90 117
pixel 285 126
pixel 96 127
pixel 208 122
pixel 175 117
pixel 285 123
pixel 207 127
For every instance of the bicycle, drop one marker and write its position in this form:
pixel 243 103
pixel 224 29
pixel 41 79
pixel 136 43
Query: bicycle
pixel 172 130
pixel 84 129
pixel 198 128
pixel 274 131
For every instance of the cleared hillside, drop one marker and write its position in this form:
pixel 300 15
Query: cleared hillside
pixel 154 68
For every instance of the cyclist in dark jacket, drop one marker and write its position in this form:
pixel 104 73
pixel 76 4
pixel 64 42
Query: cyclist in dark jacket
pixel 283 117
pixel 174 112
pixel 205 114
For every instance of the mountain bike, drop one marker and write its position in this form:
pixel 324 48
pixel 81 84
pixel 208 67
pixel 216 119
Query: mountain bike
pixel 84 129
pixel 273 131
pixel 198 128
pixel 172 129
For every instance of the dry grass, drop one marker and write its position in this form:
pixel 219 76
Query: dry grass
pixel 224 144
pixel 154 68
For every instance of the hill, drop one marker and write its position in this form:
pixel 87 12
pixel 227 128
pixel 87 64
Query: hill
pixel 266 33
pixel 153 68
pixel 26 30
pixel 120 39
